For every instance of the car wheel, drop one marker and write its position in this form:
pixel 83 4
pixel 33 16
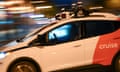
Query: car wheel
pixel 117 64
pixel 23 66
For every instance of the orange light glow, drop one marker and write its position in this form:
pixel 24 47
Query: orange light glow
pixel 5 3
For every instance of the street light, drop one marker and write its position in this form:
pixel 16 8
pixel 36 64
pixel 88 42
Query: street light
pixel 113 3
pixel 43 7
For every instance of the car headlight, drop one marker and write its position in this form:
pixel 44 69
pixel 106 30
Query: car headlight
pixel 3 55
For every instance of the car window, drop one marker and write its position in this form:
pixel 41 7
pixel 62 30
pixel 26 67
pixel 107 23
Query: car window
pixel 65 33
pixel 94 28
pixel 117 25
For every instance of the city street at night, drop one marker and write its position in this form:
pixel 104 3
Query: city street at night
pixel 59 35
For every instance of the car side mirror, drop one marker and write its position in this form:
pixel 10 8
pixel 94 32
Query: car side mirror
pixel 38 41
pixel 41 39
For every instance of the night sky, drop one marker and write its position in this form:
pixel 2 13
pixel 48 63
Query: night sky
pixel 69 2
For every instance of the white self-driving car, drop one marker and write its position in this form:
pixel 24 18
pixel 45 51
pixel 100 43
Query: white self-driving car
pixel 69 43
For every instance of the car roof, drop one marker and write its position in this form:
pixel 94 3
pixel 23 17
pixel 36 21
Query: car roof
pixel 93 16
pixel 50 26
pixel 103 14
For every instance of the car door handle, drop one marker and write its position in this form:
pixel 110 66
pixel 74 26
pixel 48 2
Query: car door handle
pixel 77 45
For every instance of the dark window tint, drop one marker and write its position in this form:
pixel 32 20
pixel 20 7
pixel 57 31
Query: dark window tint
pixel 117 25
pixel 94 28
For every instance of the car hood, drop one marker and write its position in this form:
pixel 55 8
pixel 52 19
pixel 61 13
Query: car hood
pixel 12 46
pixel 16 45
pixel 13 43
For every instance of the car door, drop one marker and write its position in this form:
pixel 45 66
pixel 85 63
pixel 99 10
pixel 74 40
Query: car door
pixel 99 42
pixel 63 47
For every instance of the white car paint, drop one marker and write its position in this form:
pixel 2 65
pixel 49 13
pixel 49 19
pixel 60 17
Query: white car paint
pixel 55 57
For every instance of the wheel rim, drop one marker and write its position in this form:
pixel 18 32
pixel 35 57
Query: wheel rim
pixel 117 65
pixel 24 67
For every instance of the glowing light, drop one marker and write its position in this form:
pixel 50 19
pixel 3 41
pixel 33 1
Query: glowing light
pixel 21 11
pixel 19 8
pixel 43 7
pixel 2 3
pixel 36 16
pixel 100 7
pixel 113 3
pixel 37 1
pixel 2 55
pixel 6 22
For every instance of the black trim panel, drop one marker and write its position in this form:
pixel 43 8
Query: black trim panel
pixel 88 68
pixel 18 49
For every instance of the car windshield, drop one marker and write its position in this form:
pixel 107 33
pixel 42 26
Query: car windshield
pixel 36 31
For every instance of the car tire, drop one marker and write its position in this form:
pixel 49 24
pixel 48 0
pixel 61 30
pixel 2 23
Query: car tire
pixel 117 64
pixel 23 66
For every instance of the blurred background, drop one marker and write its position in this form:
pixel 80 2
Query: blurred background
pixel 19 17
